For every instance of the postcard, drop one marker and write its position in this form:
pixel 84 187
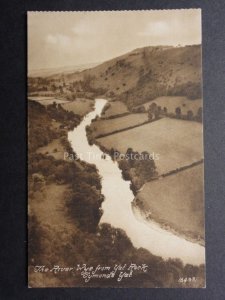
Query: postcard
pixel 115 149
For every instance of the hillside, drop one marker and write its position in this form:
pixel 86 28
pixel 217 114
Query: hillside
pixel 146 73
pixel 134 78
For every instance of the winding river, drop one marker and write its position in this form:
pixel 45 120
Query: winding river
pixel 117 209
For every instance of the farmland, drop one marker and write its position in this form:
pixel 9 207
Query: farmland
pixel 47 100
pixel 102 126
pixel 179 204
pixel 172 102
pixel 79 106
pixel 178 142
pixel 84 210
pixel 115 108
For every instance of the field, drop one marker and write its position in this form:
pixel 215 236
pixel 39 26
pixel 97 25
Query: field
pixel 107 126
pixel 80 106
pixel 177 142
pixel 171 103
pixel 48 100
pixel 116 108
pixel 179 203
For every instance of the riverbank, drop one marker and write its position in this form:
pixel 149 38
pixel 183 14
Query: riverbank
pixel 177 207
pixel 150 217
pixel 117 206
pixel 169 218
pixel 181 214
pixel 54 218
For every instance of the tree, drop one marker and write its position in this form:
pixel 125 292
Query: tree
pixel 145 166
pixel 61 89
pixel 190 115
pixel 150 116
pixel 199 114
pixel 53 87
pixel 129 153
pixel 157 112
pixel 38 181
pixel 59 106
pixel 141 109
pixel 152 107
pixel 178 112
pixel 154 110
pixel 112 152
pixel 124 166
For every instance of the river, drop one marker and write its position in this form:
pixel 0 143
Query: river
pixel 117 209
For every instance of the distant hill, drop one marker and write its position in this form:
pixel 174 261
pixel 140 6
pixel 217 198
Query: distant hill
pixel 62 70
pixel 146 73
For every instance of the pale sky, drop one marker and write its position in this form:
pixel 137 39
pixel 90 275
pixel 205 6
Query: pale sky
pixel 58 39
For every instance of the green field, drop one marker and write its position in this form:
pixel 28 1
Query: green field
pixel 79 106
pixel 107 126
pixel 177 142
pixel 179 203
pixel 172 102
pixel 116 108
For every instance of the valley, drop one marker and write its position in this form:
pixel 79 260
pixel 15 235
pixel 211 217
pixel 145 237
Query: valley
pixel 154 106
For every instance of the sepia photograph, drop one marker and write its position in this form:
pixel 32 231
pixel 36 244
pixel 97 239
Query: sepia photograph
pixel 115 149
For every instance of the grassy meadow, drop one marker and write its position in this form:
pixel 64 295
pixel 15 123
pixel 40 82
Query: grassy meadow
pixel 178 142
pixel 102 126
pixel 48 100
pixel 114 109
pixel 79 106
pixel 179 204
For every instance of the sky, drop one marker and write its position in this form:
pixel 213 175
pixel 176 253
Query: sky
pixel 61 39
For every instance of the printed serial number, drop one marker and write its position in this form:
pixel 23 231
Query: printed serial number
pixel 187 279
